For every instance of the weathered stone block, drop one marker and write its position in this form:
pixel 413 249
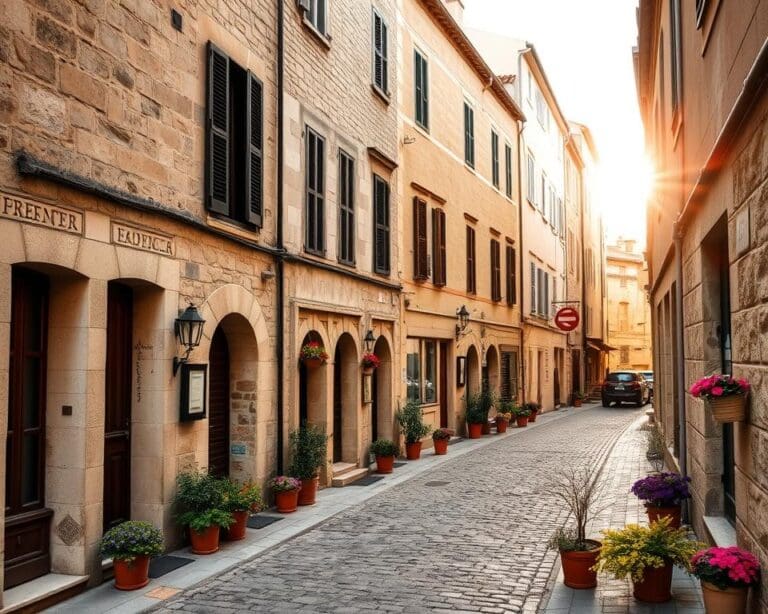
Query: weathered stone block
pixel 82 86
pixel 54 36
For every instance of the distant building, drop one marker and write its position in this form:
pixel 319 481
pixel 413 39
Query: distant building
pixel 629 315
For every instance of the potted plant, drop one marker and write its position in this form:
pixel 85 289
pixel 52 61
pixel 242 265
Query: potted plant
pixel 411 422
pixel 240 501
pixel 313 354
pixel 370 363
pixel 286 491
pixel 646 555
pixel 578 397
pixel 726 575
pixel 663 494
pixel 488 399
pixel 308 454
pixel 474 414
pixel 130 545
pixel 199 502
pixel 724 396
pixel 521 415
pixel 440 439
pixel 578 489
pixel 533 408
pixel 503 415
pixel 385 451
pixel 655 447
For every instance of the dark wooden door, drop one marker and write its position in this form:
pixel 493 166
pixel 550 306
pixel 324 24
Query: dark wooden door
pixel 442 385
pixel 117 405
pixel 27 520
pixel 218 407
pixel 375 404
pixel 337 406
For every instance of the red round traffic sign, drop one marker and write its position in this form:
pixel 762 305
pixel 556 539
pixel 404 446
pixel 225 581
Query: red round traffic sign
pixel 567 319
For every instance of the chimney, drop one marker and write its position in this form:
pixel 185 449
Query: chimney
pixel 456 9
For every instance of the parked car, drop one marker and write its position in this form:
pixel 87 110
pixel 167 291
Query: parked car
pixel 648 375
pixel 625 387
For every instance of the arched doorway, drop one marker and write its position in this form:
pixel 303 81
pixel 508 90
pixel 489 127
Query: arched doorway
pixel 473 370
pixel 381 407
pixel 491 371
pixel 218 405
pixel 345 400
pixel 312 389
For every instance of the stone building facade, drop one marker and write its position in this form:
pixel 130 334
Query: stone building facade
pixel 629 314
pixel 460 217
pixel 701 83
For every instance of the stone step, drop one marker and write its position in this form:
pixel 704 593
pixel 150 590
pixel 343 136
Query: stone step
pixel 348 477
pixel 339 469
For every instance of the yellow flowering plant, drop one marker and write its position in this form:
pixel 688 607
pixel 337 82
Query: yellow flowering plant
pixel 633 549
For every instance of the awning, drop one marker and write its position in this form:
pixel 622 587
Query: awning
pixel 599 345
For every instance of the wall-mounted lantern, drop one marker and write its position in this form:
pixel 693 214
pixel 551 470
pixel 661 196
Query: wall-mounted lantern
pixel 189 330
pixel 369 341
pixel 462 321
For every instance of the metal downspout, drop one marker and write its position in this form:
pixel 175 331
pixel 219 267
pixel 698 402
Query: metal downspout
pixel 279 273
pixel 679 346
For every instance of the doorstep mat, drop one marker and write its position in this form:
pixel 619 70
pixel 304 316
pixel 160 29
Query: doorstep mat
pixel 259 522
pixel 367 480
pixel 162 565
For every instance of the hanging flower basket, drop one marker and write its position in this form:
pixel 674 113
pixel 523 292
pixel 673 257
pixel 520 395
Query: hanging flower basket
pixel 724 396
pixel 313 355
pixel 370 362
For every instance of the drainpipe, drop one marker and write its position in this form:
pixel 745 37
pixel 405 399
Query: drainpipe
pixel 679 346
pixel 584 347
pixel 520 128
pixel 279 261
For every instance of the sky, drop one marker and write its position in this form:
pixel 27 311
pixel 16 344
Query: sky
pixel 586 49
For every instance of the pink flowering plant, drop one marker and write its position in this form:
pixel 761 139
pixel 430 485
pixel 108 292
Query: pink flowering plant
pixel 726 567
pixel 284 483
pixel 370 361
pixel 313 349
pixel 717 386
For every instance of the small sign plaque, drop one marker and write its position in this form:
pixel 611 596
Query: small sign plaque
pixel 193 391
pixel 43 214
pixel 238 449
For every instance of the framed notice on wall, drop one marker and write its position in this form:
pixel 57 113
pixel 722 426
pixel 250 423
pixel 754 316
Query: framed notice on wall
pixel 367 389
pixel 461 371
pixel 194 379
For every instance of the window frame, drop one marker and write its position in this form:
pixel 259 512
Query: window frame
pixel 531 180
pixel 471 249
pixel 439 251
pixel 495 171
pixel 421 344
pixel 346 203
pixel 421 89
pixel 469 135
pixel 508 169
pixel 495 246
pixel 511 264
pixel 383 53
pixel 385 227
pixel 319 213
pixel 313 11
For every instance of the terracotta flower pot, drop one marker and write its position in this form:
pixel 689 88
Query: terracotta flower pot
pixel 313 363
pixel 368 370
pixel 656 585
pixel 413 450
pixel 486 428
pixel 577 402
pixel 729 601
pixel 475 430
pixel 521 421
pixel 532 417
pixel 577 566
pixel 236 531
pixel 385 464
pixel 657 513
pixel 206 542
pixel 287 500
pixel 732 408
pixel 501 425
pixel 308 491
pixel 441 446
pixel 131 575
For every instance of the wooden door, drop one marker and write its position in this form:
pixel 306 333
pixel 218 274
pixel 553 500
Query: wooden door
pixel 337 407
pixel 218 407
pixel 27 521
pixel 442 385
pixel 117 405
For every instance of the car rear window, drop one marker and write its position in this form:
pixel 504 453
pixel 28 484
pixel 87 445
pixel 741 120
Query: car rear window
pixel 621 377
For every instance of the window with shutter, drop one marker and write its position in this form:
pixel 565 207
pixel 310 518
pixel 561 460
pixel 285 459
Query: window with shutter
pixel 316 14
pixel 534 289
pixel 315 193
pixel 217 169
pixel 495 159
pixel 495 270
pixel 421 89
pixel 381 240
pixel 511 276
pixel 420 261
pixel 380 51
pixel 255 162
pixel 469 135
pixel 346 208
pixel 508 170
pixel 471 277
pixel 509 376
pixel 438 247
pixel 545 309
pixel 531 181
pixel 540 309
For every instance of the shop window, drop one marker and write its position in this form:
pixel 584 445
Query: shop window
pixel 421 370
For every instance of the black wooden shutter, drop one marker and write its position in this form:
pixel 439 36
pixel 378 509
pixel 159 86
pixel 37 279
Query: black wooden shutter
pixel 506 393
pixel 381 214
pixel 471 285
pixel 438 247
pixel 384 59
pixel 254 164
pixel 511 276
pixel 420 263
pixel 217 163
pixel 379 52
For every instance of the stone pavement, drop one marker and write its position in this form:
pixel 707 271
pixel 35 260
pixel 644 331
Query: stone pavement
pixel 468 535
pixel 626 464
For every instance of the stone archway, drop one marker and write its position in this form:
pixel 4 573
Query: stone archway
pixel 473 370
pixel 381 407
pixel 346 377
pixel 491 370
pixel 312 390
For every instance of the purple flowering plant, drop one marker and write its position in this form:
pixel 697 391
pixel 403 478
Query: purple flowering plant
pixel 284 483
pixel 130 539
pixel 666 489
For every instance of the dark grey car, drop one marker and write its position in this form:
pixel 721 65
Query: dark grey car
pixel 625 387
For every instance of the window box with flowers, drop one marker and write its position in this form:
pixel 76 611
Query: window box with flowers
pixel 370 363
pixel 313 355
pixel 724 395
pixel 726 575
pixel 130 545
pixel 663 494
pixel 286 491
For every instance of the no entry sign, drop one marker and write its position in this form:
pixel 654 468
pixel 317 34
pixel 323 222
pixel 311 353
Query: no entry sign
pixel 567 319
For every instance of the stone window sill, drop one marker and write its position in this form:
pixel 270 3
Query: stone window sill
pixel 720 530
pixel 324 39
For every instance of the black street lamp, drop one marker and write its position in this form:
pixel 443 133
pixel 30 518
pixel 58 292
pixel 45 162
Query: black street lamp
pixel 369 341
pixel 462 316
pixel 189 330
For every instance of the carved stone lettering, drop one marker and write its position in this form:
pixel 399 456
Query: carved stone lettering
pixel 139 238
pixel 43 214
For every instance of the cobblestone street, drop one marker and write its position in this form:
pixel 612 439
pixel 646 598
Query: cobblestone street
pixel 470 535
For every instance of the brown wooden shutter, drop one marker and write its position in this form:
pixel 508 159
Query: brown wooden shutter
pixel 217 137
pixel 254 168
pixel 495 270
pixel 420 260
pixel 511 276
pixel 438 247
pixel 471 282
